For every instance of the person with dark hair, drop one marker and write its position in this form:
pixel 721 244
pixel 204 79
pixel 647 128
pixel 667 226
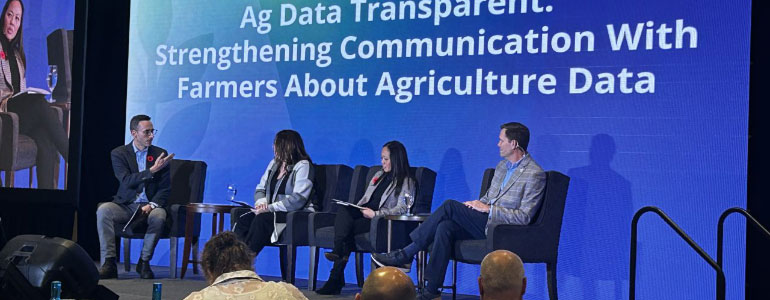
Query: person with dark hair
pixel 36 119
pixel 381 198
pixel 228 267
pixel 145 184
pixel 286 185
pixel 513 198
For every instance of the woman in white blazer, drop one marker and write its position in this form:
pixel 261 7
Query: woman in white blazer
pixel 285 186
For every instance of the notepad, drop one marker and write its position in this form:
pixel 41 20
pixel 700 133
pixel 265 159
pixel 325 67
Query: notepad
pixel 241 203
pixel 343 203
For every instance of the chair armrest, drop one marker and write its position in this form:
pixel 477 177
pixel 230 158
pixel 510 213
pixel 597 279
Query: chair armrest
pixel 517 238
pixel 10 134
pixel 296 228
pixel 58 112
pixel 178 219
pixel 378 234
pixel 316 221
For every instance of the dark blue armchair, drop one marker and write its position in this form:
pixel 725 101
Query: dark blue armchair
pixel 537 242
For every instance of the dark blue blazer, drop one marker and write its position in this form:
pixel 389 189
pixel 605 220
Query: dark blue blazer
pixel 157 186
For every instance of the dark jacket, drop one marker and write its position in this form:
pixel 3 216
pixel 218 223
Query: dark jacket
pixel 157 186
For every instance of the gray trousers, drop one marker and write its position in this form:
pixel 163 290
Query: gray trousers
pixel 110 213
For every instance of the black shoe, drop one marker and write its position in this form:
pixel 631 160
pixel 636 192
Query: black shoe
pixel 332 287
pixel 143 268
pixel 139 266
pixel 336 279
pixel 331 256
pixel 426 295
pixel 109 269
pixel 397 259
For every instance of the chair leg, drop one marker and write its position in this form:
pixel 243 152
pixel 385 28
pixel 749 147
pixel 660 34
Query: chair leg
pixel 9 178
pixel 127 254
pixel 195 254
pixel 551 270
pixel 56 173
pixel 173 244
pixel 312 270
pixel 117 247
pixel 360 269
pixel 283 259
pixel 454 279
pixel 291 254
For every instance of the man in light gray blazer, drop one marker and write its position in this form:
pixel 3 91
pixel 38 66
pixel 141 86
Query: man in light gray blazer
pixel 513 198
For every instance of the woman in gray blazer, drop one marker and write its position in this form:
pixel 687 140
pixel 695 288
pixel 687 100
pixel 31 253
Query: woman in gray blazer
pixel 285 186
pixel 36 119
pixel 387 194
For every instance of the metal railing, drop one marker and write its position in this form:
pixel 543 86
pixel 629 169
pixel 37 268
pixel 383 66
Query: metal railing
pixel 720 229
pixel 685 237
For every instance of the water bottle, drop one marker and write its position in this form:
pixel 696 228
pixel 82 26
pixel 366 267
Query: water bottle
pixel 231 192
pixel 56 290
pixel 156 289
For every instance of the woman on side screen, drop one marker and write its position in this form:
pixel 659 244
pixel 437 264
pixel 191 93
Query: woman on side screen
pixel 285 186
pixel 381 198
pixel 36 119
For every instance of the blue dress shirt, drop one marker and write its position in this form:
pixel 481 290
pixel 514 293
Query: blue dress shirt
pixel 511 169
pixel 141 162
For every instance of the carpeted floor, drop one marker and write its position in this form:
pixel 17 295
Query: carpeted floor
pixel 130 287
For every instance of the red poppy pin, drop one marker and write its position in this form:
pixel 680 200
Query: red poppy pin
pixel 2 55
pixel 375 179
pixel 150 158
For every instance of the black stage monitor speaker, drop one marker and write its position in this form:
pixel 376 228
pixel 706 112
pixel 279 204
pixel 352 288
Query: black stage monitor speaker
pixel 42 259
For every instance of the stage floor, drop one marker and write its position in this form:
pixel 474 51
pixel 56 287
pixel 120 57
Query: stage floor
pixel 130 287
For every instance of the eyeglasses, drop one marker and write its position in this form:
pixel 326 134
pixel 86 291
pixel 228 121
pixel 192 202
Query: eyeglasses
pixel 150 131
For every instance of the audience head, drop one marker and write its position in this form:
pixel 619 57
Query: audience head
pixel 11 19
pixel 387 283
pixel 289 148
pixel 502 276
pixel 224 253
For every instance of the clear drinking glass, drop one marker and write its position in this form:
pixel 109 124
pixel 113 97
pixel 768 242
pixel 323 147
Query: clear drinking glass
pixel 53 76
pixel 231 191
pixel 409 199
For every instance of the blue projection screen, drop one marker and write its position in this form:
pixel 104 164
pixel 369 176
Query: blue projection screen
pixel 639 102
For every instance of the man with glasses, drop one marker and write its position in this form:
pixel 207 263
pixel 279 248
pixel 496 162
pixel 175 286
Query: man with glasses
pixel 145 184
